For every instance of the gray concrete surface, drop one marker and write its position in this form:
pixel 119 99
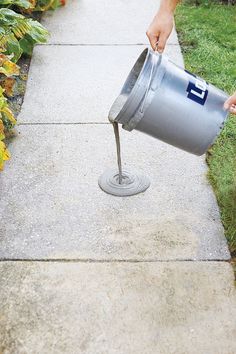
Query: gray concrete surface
pixel 102 22
pixel 52 206
pixel 117 275
pixel 114 308
pixel 72 87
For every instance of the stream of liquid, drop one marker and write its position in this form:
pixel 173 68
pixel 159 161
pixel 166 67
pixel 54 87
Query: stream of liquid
pixel 118 151
pixel 124 183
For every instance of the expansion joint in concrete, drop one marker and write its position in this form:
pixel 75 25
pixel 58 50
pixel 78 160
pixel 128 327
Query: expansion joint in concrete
pixel 88 260
pixel 65 123
pixel 100 44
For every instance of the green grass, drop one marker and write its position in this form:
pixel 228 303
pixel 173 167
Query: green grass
pixel 207 35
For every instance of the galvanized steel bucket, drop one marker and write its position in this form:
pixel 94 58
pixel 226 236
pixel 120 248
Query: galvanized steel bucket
pixel 169 103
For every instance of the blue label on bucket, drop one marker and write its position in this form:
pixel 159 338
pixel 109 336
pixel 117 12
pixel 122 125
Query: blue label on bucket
pixel 197 89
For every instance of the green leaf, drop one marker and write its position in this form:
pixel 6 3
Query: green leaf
pixel 25 4
pixel 27 44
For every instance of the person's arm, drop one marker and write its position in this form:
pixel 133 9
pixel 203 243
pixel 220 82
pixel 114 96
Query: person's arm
pixel 162 24
pixel 230 104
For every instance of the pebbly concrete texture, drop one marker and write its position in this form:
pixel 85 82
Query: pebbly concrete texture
pixel 81 84
pixel 114 308
pixel 102 22
pixel 52 207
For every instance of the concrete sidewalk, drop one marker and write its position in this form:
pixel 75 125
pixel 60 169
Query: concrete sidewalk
pixel 85 272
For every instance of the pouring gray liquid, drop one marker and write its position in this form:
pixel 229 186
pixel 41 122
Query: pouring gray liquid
pixel 121 182
pixel 118 152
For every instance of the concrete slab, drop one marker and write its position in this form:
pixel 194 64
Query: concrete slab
pixel 78 84
pixel 52 208
pixel 114 308
pixel 102 22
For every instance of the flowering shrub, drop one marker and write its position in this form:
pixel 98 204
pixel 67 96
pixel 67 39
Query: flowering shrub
pixel 18 35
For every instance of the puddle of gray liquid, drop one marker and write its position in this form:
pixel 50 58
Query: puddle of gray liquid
pixel 121 182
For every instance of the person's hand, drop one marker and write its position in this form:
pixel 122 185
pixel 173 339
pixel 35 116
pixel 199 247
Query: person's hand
pixel 230 104
pixel 160 29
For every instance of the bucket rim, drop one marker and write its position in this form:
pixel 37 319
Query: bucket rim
pixel 138 88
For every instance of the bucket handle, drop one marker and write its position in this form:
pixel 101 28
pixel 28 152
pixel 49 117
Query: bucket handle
pixel 149 81
pixel 152 85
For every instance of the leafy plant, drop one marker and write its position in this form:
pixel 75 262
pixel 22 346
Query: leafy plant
pixel 7 121
pixel 19 34
pixel 8 69
pixel 25 4
pixel 44 5
pixel 4 153
pixel 33 5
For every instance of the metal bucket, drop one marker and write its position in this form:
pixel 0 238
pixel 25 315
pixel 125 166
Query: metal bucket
pixel 169 103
